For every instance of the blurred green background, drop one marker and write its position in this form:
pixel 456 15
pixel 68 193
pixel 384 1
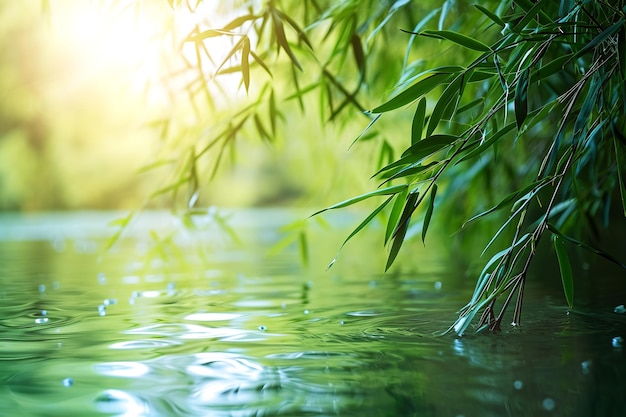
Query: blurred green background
pixel 82 86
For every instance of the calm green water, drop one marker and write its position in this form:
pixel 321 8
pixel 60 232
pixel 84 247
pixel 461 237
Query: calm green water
pixel 217 329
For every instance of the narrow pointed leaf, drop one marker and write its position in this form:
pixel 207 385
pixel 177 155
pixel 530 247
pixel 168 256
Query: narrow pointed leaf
pixel 412 93
pixel 394 215
pixel 521 98
pixel 360 227
pixel 457 38
pixel 245 66
pixel 418 121
pixel 565 268
pixel 384 191
pixel 492 16
pixel 429 211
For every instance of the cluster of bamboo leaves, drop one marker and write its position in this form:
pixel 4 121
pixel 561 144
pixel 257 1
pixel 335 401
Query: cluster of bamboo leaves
pixel 535 87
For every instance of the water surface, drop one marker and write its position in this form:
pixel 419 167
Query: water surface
pixel 220 329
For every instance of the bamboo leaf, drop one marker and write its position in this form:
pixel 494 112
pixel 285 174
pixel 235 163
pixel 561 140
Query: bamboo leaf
pixel 261 63
pixel 245 66
pixel 360 227
pixel 604 35
pixel 238 21
pixel 281 38
pixel 457 38
pixel 565 268
pixel 531 14
pixel 418 121
pixel 430 145
pixel 521 98
pixel 383 191
pixel 445 100
pixel 394 215
pixel 429 211
pixel 403 226
pixel 412 93
pixel 492 16
pixel 619 157
pixel 591 249
pixel 359 55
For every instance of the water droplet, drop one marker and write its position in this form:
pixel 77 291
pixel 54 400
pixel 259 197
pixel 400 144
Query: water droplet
pixel 41 320
pixel 306 311
pixel 372 284
pixel 102 310
pixel 617 342
pixel 548 404
pixel 262 328
pixel 109 301
pixel 68 382
pixel 342 322
pixel 102 279
pixel 41 288
pixel 586 367
pixel 438 285
pixel 620 309
pixel 518 385
pixel 44 312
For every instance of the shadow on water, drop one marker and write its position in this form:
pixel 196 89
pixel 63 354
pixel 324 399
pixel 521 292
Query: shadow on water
pixel 243 334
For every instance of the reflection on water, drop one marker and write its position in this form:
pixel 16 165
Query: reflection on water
pixel 237 333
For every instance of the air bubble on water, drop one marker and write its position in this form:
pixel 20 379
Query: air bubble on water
pixel 67 382
pixel 44 312
pixel 306 311
pixel 518 384
pixel 617 342
pixel 620 309
pixel 262 328
pixel 342 323
pixel 41 288
pixel 109 301
pixel 438 285
pixel 41 320
pixel 548 404
pixel 102 310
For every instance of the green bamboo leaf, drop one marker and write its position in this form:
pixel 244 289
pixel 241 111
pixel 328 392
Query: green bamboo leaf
pixel 521 98
pixel 261 129
pixel 429 211
pixel 492 16
pixel 403 226
pixel 604 35
pixel 531 14
pixel 281 38
pixel 445 100
pixel 245 66
pixel 412 93
pixel 413 169
pixel 209 33
pixel 566 269
pixel 295 27
pixel 421 150
pixel 619 157
pixel 383 191
pixel 261 63
pixel 457 38
pixel 591 249
pixel 553 67
pixel 360 227
pixel 304 247
pixel 507 200
pixel 238 21
pixel 394 215
pixel 418 121
pixel 430 145
pixel 359 55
